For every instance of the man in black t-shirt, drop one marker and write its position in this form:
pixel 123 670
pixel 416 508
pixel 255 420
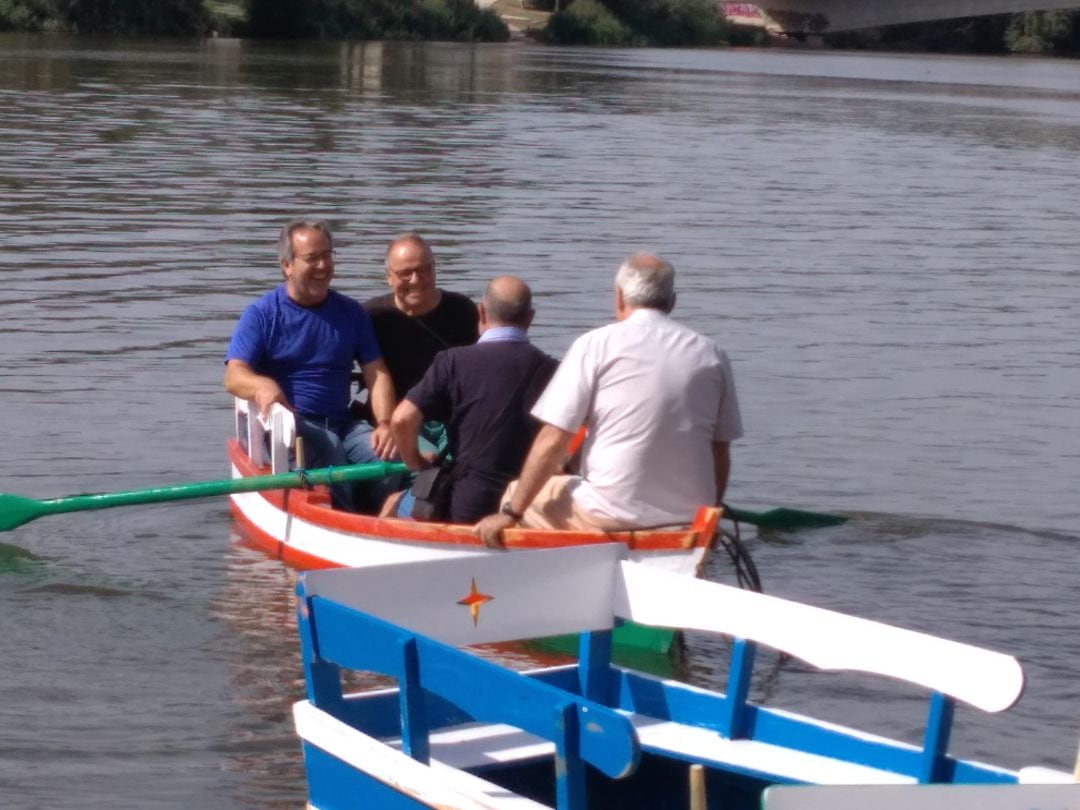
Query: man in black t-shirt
pixel 416 320
pixel 483 393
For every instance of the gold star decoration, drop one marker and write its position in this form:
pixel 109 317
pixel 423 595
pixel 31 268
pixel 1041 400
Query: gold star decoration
pixel 474 600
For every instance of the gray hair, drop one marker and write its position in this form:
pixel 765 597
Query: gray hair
pixel 284 244
pixel 646 282
pixel 512 306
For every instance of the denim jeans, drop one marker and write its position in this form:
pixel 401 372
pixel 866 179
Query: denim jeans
pixel 336 443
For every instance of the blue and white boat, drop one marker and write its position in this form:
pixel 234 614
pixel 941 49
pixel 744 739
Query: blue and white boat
pixel 460 731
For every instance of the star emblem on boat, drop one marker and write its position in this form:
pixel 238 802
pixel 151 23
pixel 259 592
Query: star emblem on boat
pixel 474 600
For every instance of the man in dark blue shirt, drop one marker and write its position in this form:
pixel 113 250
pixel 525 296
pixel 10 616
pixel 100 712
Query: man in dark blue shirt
pixel 483 393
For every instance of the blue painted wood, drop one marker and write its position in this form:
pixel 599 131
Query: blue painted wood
pixel 665 700
pixel 334 785
pixel 414 727
pixel 569 767
pixel 594 669
pixel 676 702
pixel 735 716
pixel 481 689
pixel 323 679
pixel 936 740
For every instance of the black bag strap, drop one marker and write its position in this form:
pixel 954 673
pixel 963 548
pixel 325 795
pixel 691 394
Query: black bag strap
pixel 496 424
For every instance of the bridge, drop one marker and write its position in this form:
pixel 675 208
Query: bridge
pixel 826 16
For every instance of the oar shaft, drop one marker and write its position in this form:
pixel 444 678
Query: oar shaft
pixel 209 489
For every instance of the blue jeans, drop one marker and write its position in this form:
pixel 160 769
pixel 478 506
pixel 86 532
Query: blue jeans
pixel 336 443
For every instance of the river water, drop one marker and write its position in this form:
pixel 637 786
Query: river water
pixel 885 245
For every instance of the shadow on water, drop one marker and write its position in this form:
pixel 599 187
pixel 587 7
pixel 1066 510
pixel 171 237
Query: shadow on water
pixel 14 559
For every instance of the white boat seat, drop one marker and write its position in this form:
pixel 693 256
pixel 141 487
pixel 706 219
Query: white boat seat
pixel 480 745
pixel 437 784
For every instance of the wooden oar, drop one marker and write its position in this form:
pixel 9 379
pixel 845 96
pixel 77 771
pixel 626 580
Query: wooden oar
pixel 16 510
pixel 783 518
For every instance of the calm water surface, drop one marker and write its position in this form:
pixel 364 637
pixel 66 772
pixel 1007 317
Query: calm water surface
pixel 886 246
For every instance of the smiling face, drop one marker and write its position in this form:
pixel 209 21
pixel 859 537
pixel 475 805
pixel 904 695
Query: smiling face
pixel 309 273
pixel 410 272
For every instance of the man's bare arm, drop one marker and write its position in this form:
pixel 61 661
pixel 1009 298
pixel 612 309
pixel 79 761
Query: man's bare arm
pixel 405 424
pixel 242 381
pixel 544 460
pixel 381 390
pixel 722 467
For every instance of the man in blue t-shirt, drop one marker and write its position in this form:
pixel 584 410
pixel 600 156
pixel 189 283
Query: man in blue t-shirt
pixel 296 345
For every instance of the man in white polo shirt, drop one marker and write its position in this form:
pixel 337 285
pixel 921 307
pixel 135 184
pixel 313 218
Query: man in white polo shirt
pixel 659 406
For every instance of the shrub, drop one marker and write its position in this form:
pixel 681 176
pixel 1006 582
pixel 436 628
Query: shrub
pixel 1044 32
pixel 456 20
pixel 586 22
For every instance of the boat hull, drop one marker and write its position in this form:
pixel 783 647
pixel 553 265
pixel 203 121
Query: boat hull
pixel 300 528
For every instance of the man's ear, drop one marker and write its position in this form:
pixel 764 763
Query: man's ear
pixel 620 304
pixel 483 315
pixel 674 296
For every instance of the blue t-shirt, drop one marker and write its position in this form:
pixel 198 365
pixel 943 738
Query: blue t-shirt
pixel 309 351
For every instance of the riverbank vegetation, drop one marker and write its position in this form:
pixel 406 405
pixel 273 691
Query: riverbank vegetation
pixel 449 20
pixel 660 23
pixel 1035 32
pixel 575 22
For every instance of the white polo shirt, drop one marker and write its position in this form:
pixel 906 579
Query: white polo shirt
pixel 654 396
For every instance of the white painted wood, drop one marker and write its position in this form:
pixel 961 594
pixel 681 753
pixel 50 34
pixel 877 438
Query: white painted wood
pixel 1038 775
pixel 534 593
pixel 923 797
pixel 826 639
pixel 436 785
pixel 281 425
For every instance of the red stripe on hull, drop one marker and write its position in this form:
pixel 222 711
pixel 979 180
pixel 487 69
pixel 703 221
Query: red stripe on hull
pixel 313 506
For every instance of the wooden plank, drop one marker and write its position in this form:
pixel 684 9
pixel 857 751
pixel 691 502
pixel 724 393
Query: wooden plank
pixel 518 595
pixel 826 639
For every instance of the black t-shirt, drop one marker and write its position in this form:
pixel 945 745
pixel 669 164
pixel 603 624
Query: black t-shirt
pixel 410 344
pixel 468 388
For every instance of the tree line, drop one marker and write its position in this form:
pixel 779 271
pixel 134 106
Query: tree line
pixel 575 22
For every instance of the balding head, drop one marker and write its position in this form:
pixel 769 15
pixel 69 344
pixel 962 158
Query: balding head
pixel 646 282
pixel 507 302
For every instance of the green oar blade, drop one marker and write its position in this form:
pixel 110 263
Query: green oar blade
pixel 15 510
pixel 784 519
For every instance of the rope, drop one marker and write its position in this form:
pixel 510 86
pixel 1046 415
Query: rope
pixel 746 573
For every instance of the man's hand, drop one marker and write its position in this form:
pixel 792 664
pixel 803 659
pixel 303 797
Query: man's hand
pixel 382 442
pixel 266 394
pixel 490 529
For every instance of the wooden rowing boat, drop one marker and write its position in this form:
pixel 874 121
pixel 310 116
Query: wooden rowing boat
pixel 459 731
pixel 299 526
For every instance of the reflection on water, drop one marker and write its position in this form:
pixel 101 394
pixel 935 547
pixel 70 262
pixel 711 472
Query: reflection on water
pixel 884 245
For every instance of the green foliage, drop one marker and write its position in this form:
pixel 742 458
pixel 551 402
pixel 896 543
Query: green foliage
pixel 1044 32
pixel 176 17
pixel 586 22
pixel 641 22
pixel 26 15
pixel 449 20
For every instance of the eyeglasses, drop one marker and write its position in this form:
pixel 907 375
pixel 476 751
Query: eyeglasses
pixel 312 258
pixel 420 271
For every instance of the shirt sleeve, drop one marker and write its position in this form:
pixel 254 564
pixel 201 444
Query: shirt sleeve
pixel 565 402
pixel 248 342
pixel 431 395
pixel 729 421
pixel 367 345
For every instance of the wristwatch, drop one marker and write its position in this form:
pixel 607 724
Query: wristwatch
pixel 508 510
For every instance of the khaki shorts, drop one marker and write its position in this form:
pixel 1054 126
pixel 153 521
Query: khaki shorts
pixel 554 507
